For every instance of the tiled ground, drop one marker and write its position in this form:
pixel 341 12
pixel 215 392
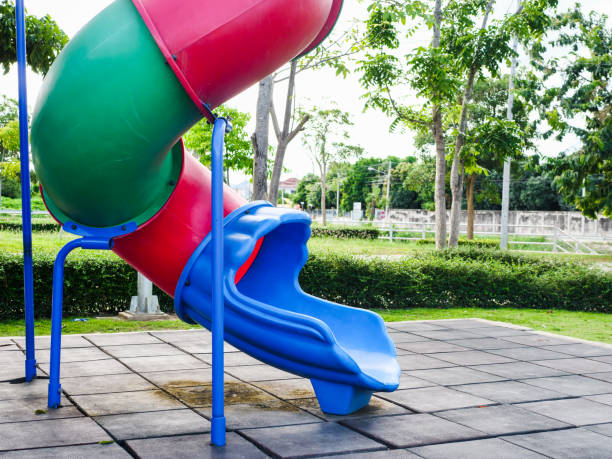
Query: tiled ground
pixel 469 389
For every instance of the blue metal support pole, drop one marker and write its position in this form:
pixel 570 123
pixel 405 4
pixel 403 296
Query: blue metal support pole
pixel 26 217
pixel 221 126
pixel 55 388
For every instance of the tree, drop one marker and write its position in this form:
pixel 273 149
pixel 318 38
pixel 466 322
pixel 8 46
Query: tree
pixel 582 105
pixel 442 74
pixel 324 139
pixel 44 39
pixel 237 143
pixel 419 178
pixel 328 54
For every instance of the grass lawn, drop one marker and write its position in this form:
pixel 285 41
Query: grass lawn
pixel 586 325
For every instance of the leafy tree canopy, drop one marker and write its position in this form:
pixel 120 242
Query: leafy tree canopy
pixel 44 39
pixel 238 155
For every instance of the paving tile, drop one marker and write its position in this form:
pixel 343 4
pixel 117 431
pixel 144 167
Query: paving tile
pixel 577 411
pixel 231 359
pixel 431 347
pixel 421 362
pixel 472 358
pixel 323 438
pixel 160 423
pixel 376 407
pixel 573 385
pixel 454 375
pixel 501 420
pixel 259 373
pixel 484 343
pixel 607 376
pixel 434 399
pixel 190 446
pixel 126 402
pixel 44 342
pixel 577 365
pixel 35 409
pixel 272 413
pixel 566 444
pixel 461 324
pixel 201 347
pixel 11 371
pixel 181 378
pixel 495 332
pixel 412 430
pixel 96 451
pixel 183 335
pixel 528 353
pixel 403 337
pixel 509 392
pixel 519 370
pixel 604 359
pixel 86 385
pixel 121 339
pixel 54 432
pixel 14 356
pixel 476 449
pixel 413 326
pixel 89 368
pixel 77 354
pixel 534 339
pixel 447 334
pixel 386 454
pixel 163 363
pixel 410 382
pixel 37 388
pixel 288 389
pixel 581 349
pixel 142 350
pixel 603 429
pixel 606 399
pixel 235 393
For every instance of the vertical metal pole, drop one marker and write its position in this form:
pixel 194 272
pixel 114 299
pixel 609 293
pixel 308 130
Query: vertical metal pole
pixel 26 217
pixel 388 193
pixel 218 417
pixel 503 244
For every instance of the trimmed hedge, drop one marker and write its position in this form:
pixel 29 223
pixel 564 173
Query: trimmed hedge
pixel 36 226
pixel 102 283
pixel 482 243
pixel 344 232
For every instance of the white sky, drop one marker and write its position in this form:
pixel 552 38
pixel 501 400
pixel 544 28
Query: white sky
pixel 371 129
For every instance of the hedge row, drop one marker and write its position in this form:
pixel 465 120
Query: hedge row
pixel 36 226
pixel 344 232
pixel 482 243
pixel 103 284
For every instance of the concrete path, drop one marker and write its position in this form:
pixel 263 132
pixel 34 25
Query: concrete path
pixel 469 389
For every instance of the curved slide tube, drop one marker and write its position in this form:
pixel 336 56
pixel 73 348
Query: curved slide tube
pixel 106 146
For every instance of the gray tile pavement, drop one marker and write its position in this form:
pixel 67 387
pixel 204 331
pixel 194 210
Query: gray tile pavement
pixel 469 389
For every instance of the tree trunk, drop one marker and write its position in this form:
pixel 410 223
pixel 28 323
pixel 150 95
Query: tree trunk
pixel 456 179
pixel 276 171
pixel 471 180
pixel 323 203
pixel 438 133
pixel 260 140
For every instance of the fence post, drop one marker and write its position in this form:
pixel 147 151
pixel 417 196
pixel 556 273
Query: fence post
pixel 555 239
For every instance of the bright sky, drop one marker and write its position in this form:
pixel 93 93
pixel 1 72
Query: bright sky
pixel 371 129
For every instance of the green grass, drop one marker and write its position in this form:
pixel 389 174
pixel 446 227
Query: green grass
pixel 585 325
pixel 93 325
pixel 15 203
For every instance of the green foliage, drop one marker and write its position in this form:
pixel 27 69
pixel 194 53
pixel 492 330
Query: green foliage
pixel 9 137
pixel 344 232
pixel 581 105
pixel 103 284
pixel 44 39
pixel 239 154
pixel 480 243
pixel 457 278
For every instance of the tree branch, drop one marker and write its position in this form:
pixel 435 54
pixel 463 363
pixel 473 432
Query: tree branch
pixel 299 128
pixel 277 130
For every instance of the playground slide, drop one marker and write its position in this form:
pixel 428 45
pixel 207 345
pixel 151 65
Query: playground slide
pixel 106 144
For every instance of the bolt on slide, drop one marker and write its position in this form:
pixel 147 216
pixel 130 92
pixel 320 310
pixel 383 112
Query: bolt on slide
pixel 106 145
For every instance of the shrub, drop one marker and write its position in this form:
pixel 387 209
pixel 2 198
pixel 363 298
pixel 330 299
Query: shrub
pixel 101 283
pixel 482 243
pixel 344 232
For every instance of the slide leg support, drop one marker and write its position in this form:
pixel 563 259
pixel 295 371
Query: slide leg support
pixel 337 398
